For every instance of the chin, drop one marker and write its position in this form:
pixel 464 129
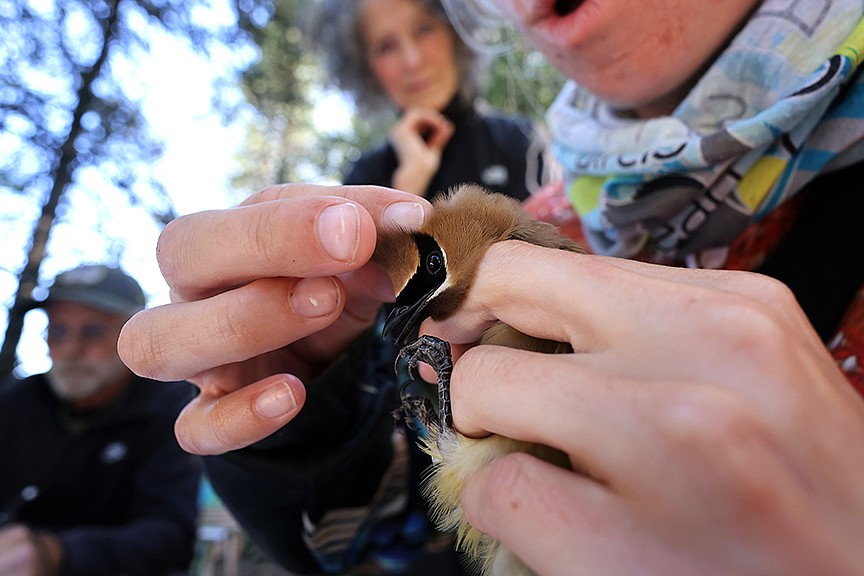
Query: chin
pixel 655 97
pixel 74 386
pixel 426 101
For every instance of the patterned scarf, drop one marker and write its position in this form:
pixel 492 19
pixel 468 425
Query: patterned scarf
pixel 781 105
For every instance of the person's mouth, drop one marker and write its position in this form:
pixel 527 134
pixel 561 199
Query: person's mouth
pixel 419 86
pixel 561 22
pixel 566 7
pixel 551 9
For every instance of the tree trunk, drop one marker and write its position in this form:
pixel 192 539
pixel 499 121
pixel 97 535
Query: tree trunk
pixel 61 176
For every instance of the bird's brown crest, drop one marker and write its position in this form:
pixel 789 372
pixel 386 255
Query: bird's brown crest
pixel 469 219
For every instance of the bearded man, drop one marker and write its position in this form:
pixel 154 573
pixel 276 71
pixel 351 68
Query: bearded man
pixel 93 480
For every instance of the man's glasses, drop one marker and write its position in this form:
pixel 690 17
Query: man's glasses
pixel 86 334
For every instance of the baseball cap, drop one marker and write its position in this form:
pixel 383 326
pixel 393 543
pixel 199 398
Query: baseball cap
pixel 101 287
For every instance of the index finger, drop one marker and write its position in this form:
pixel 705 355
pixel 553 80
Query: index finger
pixel 386 206
pixel 594 302
pixel 283 231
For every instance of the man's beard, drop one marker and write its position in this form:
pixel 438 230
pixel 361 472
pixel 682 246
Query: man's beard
pixel 74 380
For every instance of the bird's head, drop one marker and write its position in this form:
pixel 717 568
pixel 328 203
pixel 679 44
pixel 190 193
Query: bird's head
pixel 433 268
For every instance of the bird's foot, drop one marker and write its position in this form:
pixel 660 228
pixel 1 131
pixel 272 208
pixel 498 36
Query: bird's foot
pixel 416 412
pixel 436 353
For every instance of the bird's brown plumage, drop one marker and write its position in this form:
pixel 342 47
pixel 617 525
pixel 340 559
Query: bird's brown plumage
pixel 464 224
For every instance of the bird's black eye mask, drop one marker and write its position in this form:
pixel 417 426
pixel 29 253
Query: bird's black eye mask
pixel 430 272
pixel 410 306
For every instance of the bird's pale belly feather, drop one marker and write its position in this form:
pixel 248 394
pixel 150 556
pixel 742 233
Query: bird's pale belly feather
pixel 455 458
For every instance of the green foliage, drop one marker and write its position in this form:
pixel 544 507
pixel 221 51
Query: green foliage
pixel 284 145
pixel 281 143
pixel 523 82
pixel 281 77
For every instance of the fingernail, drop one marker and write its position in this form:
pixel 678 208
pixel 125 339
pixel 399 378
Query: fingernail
pixel 276 401
pixel 314 297
pixel 338 230
pixel 408 215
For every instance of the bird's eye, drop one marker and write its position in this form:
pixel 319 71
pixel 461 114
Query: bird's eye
pixel 434 263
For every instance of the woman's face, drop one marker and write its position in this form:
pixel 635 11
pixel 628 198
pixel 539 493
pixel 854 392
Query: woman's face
pixel 636 54
pixel 411 53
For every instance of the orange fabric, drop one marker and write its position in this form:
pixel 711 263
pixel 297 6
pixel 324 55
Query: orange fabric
pixel 847 346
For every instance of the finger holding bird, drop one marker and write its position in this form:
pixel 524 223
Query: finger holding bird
pixel 491 301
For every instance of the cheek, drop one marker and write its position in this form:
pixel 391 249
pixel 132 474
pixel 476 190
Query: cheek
pixel 447 63
pixel 102 355
pixel 387 73
pixel 106 369
pixel 632 69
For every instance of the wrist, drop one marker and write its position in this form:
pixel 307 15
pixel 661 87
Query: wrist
pixel 412 179
pixel 49 552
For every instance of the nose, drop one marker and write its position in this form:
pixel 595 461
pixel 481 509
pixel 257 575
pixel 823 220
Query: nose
pixel 69 347
pixel 412 54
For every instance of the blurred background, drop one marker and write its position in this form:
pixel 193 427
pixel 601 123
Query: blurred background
pixel 118 115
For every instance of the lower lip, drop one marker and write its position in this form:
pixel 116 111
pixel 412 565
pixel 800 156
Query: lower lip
pixel 418 87
pixel 567 29
pixel 416 90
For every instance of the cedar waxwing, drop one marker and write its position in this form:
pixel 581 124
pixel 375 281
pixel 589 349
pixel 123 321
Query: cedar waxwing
pixel 432 270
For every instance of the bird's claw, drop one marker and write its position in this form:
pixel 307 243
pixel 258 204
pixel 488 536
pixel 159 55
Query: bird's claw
pixel 436 353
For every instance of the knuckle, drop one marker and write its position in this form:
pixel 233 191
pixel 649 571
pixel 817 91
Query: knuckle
pixel 757 329
pixel 266 237
pixel 232 325
pixel 219 431
pixel 701 417
pixel 268 242
pixel 767 289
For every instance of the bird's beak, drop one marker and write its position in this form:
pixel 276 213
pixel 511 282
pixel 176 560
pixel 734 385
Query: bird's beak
pixel 403 319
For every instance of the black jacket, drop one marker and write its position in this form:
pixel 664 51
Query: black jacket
pixel 820 259
pixel 503 153
pixel 121 494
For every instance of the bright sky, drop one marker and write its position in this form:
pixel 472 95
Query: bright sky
pixel 196 168
pixel 200 150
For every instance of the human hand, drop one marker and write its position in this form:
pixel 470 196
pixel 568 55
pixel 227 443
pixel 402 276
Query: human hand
pixel 715 432
pixel 419 138
pixel 27 553
pixel 264 297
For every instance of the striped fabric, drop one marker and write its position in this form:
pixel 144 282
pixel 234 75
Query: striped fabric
pixel 341 537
